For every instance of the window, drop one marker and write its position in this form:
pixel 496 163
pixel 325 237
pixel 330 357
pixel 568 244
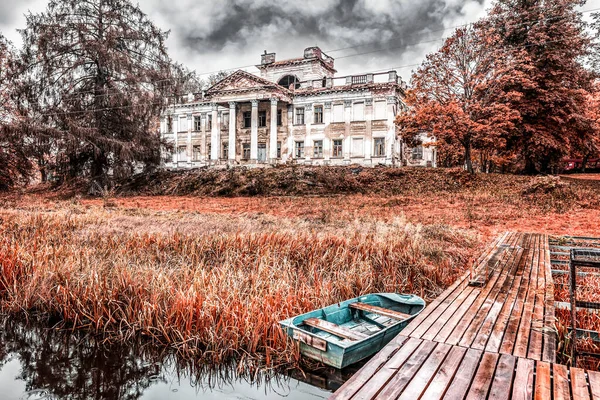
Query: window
pixel 379 147
pixel 380 110
pixel 289 82
pixel 247 119
pixel 209 122
pixel 338 113
pixel 183 125
pixel 196 151
pixel 300 116
pixel 358 112
pixel 197 124
pixel 299 149
pixel 225 121
pixel 337 148
pixel 279 121
pixel 417 153
pixel 225 151
pixel 182 153
pixel 167 154
pixel 208 151
pixel 278 149
pixel 358 149
pixel 262 119
pixel 246 151
pixel 318 114
pixel 318 149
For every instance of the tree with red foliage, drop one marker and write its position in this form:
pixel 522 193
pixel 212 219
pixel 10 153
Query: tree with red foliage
pixel 449 97
pixel 98 76
pixel 544 80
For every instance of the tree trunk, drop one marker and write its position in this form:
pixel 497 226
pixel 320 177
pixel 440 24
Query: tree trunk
pixel 468 161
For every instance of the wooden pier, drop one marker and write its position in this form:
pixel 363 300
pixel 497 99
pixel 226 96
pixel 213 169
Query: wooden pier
pixel 490 335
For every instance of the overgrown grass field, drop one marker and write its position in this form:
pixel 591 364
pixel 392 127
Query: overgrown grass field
pixel 211 276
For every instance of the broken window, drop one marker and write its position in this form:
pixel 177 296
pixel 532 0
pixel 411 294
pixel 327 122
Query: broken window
pixel 299 149
pixel 417 153
pixel 247 119
pixel 379 147
pixel 196 151
pixel 197 123
pixel 278 149
pixel 318 114
pixel 246 151
pixel 279 120
pixel 300 116
pixel 337 148
pixel 225 151
pixel 262 119
pixel 225 121
pixel 318 149
pixel 209 122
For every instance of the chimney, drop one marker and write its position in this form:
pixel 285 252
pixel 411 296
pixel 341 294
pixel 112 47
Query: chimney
pixel 267 58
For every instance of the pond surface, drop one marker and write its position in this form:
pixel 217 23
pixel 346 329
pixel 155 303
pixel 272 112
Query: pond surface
pixel 41 363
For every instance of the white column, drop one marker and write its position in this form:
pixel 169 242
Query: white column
pixel 273 133
pixel 327 139
pixel 214 134
pixel 347 138
pixel 254 132
pixel 203 122
pixel 308 143
pixel 189 139
pixel 176 134
pixel 391 133
pixel 232 131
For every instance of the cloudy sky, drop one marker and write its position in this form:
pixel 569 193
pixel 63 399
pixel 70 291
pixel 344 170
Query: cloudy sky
pixel 212 35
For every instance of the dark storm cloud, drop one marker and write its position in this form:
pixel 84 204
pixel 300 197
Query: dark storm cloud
pixel 345 22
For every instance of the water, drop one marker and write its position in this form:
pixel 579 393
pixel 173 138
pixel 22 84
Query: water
pixel 41 363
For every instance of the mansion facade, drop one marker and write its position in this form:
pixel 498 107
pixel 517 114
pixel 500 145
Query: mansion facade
pixel 295 111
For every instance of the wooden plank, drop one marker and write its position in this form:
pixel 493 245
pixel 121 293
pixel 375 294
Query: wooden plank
pixel 421 380
pixel 388 370
pixel 579 387
pixel 523 383
pixel 464 375
pixel 399 381
pixel 503 378
pixel 560 382
pixel 498 304
pixel 522 340
pixel 448 328
pixel 549 334
pixel 447 296
pixel 498 333
pixel 364 375
pixel 501 285
pixel 381 311
pixel 594 380
pixel 443 377
pixel 534 350
pixel 483 377
pixel 464 323
pixel 335 329
pixel 512 329
pixel 447 315
pixel 542 381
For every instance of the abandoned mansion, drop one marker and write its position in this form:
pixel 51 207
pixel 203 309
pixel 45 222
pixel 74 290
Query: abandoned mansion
pixel 295 111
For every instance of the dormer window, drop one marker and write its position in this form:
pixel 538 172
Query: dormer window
pixel 289 82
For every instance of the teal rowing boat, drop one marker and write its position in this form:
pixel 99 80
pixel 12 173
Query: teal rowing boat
pixel 345 333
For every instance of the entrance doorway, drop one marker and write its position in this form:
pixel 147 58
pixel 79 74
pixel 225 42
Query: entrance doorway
pixel 262 152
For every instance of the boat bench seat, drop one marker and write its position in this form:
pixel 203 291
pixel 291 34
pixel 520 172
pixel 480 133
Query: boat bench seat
pixel 334 329
pixel 380 311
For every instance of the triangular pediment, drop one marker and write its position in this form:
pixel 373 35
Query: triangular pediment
pixel 243 81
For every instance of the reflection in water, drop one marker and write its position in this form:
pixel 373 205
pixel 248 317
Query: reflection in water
pixel 41 363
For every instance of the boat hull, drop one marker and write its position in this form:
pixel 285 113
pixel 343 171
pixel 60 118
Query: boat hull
pixel 342 353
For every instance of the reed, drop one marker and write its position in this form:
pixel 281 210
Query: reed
pixel 217 294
